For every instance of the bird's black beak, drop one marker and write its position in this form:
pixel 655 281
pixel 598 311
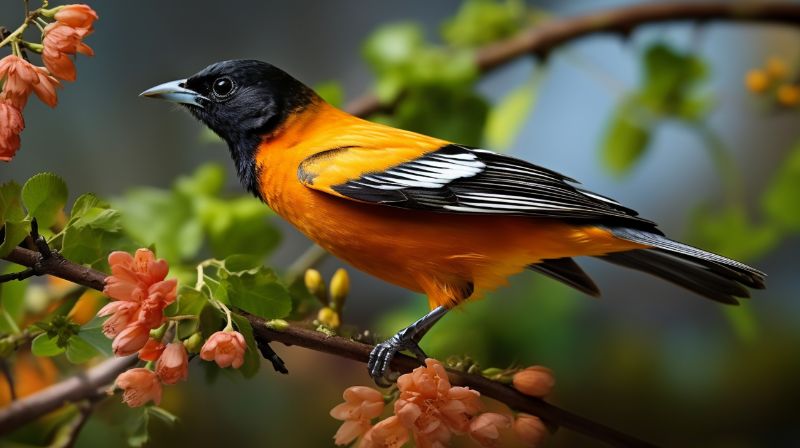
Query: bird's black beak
pixel 176 92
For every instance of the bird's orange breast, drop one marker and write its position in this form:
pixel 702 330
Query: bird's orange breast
pixel 419 250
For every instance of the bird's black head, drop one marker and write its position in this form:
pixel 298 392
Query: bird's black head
pixel 243 101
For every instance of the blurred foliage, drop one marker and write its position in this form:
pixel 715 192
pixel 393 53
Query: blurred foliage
pixel 670 88
pixel 433 86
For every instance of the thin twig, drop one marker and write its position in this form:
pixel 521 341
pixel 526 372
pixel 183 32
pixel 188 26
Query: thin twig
pixel 314 340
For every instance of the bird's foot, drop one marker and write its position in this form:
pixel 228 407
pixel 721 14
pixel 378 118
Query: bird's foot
pixel 380 359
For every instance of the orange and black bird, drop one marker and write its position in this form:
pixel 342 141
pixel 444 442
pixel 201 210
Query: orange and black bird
pixel 432 216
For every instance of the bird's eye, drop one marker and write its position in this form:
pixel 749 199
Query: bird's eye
pixel 223 87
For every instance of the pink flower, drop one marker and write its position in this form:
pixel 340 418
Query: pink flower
pixel 530 430
pixel 173 365
pixel 60 41
pixel 389 433
pixel 536 381
pixel 485 428
pixel 20 76
pixel 132 276
pixel 45 89
pixel 11 125
pixel 122 313
pixel 81 17
pixel 130 340
pixel 140 385
pixel 361 404
pixel 226 348
pixel 152 350
pixel 431 408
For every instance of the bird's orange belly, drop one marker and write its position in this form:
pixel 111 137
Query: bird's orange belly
pixel 426 251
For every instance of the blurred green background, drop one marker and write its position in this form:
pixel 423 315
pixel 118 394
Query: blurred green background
pixel 655 120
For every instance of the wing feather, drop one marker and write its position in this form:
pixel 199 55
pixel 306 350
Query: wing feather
pixel 459 179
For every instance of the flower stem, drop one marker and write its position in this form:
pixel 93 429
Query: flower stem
pixel 183 317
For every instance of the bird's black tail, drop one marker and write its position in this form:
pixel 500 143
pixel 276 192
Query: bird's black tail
pixel 708 274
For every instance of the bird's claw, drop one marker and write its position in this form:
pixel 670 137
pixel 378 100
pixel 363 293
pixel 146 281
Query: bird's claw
pixel 380 359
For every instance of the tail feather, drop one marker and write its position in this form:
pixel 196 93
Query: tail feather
pixel 567 271
pixel 708 274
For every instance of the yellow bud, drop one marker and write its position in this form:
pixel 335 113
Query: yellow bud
pixel 777 68
pixel 194 343
pixel 789 95
pixel 277 324
pixel 328 317
pixel 340 287
pixel 316 285
pixel 757 81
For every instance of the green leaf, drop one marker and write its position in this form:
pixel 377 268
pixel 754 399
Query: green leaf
pixel 11 202
pixel 780 200
pixel 451 115
pixel 626 137
pixel 252 357
pixel 332 92
pixel 92 333
pixel 162 218
pixel 507 117
pixel 92 232
pixel 79 350
pixel 12 294
pixel 44 345
pixel 84 203
pixel 239 226
pixel 207 180
pixel 12 234
pixel 260 294
pixel 480 22
pixel 190 302
pixel 239 263
pixel 670 78
pixel 44 195
pixel 392 45
pixel 210 321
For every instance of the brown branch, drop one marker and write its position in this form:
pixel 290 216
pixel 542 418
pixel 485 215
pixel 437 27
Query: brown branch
pixel 542 39
pixel 86 385
pixel 75 389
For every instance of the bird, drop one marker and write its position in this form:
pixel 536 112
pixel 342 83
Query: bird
pixel 433 216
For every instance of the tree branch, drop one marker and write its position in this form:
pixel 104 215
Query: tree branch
pixel 85 386
pixel 542 39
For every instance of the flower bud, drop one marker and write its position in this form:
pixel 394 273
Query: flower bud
pixel 530 430
pixel 194 343
pixel 315 285
pixel 328 317
pixel 789 95
pixel 757 81
pixel 536 381
pixel 340 287
pixel 776 68
pixel 277 324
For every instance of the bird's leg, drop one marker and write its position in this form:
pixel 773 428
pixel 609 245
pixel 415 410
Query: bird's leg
pixel 406 339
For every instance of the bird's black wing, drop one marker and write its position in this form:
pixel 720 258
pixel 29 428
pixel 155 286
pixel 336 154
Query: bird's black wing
pixel 459 179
